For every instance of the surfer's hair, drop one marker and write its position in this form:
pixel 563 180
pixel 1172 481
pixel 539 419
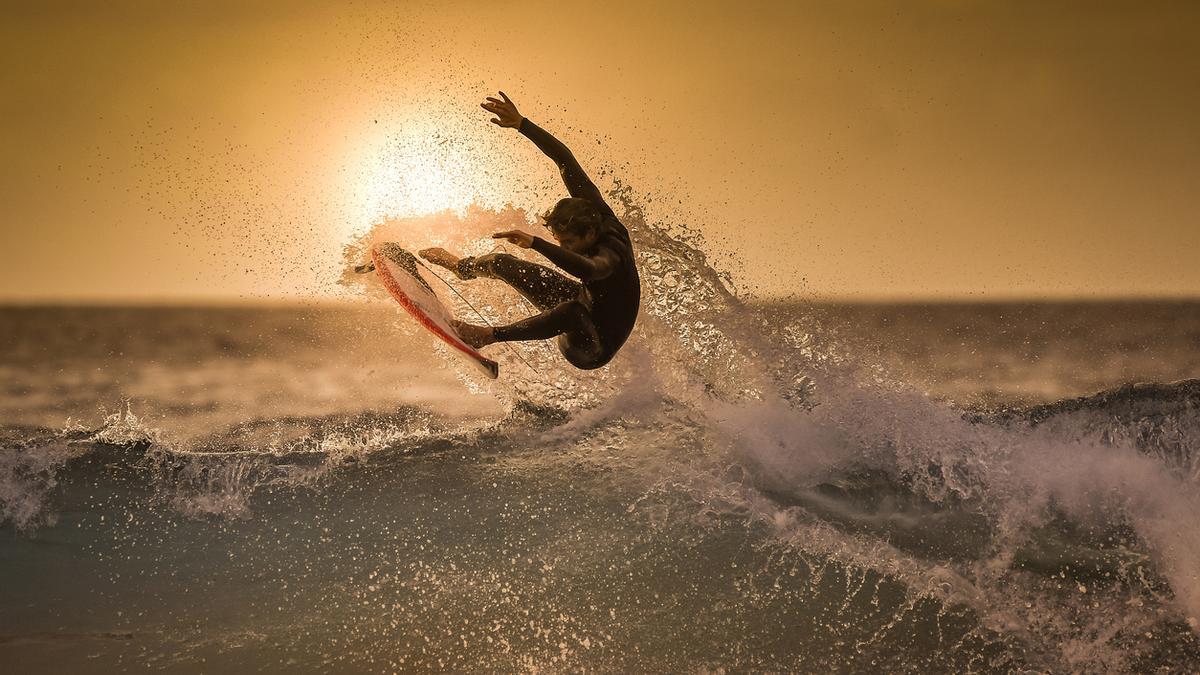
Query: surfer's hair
pixel 573 215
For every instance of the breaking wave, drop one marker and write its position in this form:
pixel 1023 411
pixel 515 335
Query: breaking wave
pixel 1059 536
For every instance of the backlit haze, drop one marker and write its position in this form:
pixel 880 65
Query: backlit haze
pixel 228 150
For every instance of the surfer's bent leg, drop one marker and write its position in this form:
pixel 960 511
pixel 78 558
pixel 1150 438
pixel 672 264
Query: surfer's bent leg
pixel 542 286
pixel 572 320
pixel 567 317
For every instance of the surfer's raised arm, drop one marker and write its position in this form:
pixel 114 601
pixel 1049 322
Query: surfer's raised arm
pixel 576 179
pixel 584 267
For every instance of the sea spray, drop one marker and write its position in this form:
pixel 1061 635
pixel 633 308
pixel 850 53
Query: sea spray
pixel 740 489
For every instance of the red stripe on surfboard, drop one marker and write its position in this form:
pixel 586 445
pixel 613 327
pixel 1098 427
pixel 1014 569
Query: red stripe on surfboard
pixel 393 288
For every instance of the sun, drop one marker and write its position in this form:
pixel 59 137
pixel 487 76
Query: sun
pixel 418 169
pixel 411 182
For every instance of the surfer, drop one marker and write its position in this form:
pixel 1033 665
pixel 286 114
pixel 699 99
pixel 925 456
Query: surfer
pixel 591 317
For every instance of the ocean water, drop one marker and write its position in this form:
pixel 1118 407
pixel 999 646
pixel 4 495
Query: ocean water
pixel 784 487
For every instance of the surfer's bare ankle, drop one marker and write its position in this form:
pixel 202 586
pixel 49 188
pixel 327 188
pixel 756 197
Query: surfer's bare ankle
pixel 440 257
pixel 476 336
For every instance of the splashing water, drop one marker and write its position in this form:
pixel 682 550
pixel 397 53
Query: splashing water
pixel 735 490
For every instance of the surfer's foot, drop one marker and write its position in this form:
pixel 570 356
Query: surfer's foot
pixel 476 336
pixel 441 257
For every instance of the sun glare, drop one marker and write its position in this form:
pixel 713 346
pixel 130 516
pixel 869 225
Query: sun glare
pixel 416 171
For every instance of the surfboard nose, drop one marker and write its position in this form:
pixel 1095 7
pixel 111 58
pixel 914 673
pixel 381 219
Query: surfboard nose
pixel 396 253
pixel 407 261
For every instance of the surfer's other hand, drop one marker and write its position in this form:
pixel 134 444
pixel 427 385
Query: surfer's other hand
pixel 505 111
pixel 522 239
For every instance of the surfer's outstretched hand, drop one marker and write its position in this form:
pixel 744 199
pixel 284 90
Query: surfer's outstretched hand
pixel 505 111
pixel 522 239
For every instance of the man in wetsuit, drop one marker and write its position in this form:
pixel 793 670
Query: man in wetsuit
pixel 591 317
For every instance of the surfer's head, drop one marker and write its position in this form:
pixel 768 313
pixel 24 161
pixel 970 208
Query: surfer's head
pixel 575 223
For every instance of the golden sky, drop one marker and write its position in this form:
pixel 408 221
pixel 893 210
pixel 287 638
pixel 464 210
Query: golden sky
pixel 927 149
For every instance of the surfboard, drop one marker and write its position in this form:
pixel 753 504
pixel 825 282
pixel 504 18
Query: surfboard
pixel 398 271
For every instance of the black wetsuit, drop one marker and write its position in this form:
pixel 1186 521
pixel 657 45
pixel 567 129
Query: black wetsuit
pixel 592 318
